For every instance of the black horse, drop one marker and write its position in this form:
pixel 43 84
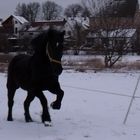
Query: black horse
pixel 38 72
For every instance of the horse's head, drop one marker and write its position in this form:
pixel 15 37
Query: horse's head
pixel 54 49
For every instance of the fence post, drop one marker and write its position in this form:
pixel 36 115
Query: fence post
pixel 131 101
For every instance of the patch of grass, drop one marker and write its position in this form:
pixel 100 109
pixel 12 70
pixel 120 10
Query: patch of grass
pixel 94 63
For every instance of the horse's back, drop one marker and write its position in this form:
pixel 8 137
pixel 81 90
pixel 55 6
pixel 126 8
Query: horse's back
pixel 29 72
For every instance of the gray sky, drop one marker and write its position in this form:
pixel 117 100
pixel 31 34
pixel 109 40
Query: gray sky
pixel 7 7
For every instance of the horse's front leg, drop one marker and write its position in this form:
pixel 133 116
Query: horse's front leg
pixel 57 103
pixel 46 119
pixel 27 102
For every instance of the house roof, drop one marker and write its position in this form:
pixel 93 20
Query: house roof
pixel 49 23
pixel 122 33
pixel 44 25
pixel 119 33
pixel 21 19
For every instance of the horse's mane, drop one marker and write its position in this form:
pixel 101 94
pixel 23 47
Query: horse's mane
pixel 39 41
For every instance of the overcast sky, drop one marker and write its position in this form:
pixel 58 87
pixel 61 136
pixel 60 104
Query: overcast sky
pixel 7 7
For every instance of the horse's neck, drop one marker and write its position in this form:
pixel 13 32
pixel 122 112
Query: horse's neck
pixel 42 57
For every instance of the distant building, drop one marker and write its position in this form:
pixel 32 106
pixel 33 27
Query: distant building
pixel 39 26
pixel 13 24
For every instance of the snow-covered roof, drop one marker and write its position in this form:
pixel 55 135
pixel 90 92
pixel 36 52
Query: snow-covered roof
pixel 32 29
pixel 122 33
pixel 114 33
pixel 20 19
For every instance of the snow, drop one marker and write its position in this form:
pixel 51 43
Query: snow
pixel 72 21
pixel 115 33
pixel 92 109
pixel 20 19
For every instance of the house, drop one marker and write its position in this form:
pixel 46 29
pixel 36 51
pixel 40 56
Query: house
pixel 9 32
pixel 40 26
pixel 18 31
pixel 114 39
pixel 13 24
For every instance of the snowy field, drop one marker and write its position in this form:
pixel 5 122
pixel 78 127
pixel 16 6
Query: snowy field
pixel 94 108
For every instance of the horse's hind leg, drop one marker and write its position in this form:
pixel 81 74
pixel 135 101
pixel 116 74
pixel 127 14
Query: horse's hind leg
pixel 11 93
pixel 45 115
pixel 27 102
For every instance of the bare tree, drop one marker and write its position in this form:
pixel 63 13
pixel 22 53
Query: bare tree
pixel 110 7
pixel 86 12
pixel 93 6
pixel 51 10
pixel 29 11
pixel 33 11
pixel 121 8
pixel 113 36
pixel 21 10
pixel 73 10
pixel 131 6
pixel 116 43
pixel 111 31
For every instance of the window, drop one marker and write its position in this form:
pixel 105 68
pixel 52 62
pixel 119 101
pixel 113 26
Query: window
pixel 16 30
pixel 16 22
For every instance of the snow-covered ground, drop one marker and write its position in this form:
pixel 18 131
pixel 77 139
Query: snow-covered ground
pixel 94 108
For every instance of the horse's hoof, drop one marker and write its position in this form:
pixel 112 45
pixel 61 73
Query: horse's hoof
pixel 55 105
pixel 47 124
pixel 29 120
pixel 9 119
